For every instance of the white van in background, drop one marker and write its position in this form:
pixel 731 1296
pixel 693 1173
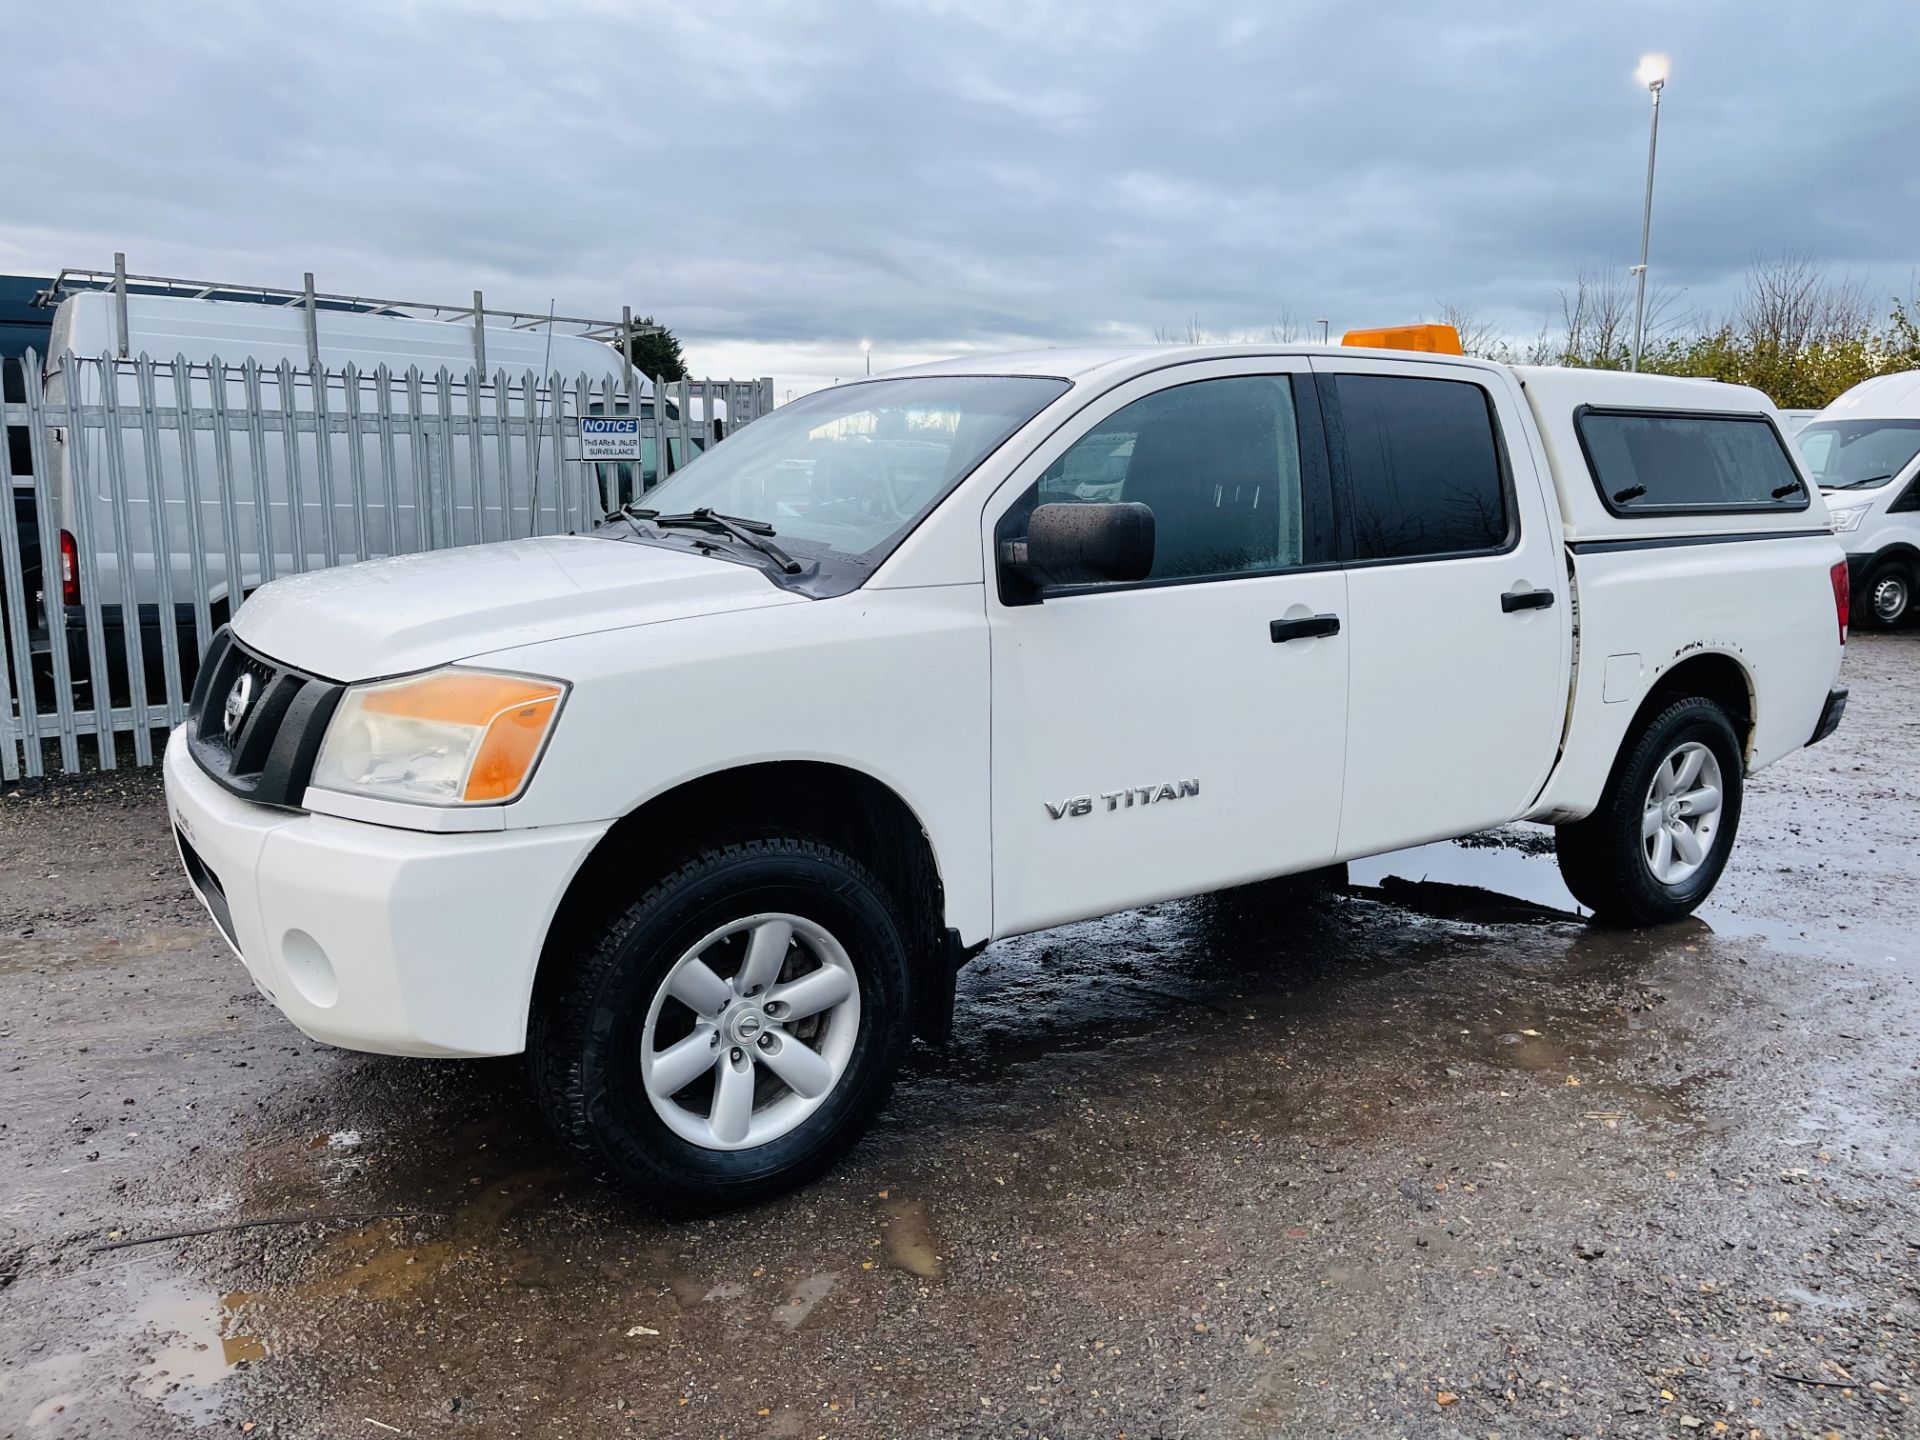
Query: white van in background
pixel 349 498
pixel 1864 452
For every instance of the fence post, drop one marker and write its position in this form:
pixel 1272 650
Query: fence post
pixel 313 324
pixel 626 357
pixel 383 386
pixel 113 437
pixel 120 303
pixel 190 466
pixel 161 532
pixel 479 333
pixel 13 600
pixel 52 587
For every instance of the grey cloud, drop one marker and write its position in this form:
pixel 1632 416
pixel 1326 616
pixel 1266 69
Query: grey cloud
pixel 963 171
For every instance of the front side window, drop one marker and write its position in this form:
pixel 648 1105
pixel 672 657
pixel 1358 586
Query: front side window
pixel 1857 454
pixel 1647 461
pixel 843 475
pixel 1426 475
pixel 1218 463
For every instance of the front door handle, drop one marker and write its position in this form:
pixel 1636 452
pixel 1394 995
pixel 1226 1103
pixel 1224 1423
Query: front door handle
pixel 1526 600
pixel 1311 627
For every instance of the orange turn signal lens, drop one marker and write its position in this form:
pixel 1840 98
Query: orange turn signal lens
pixel 508 752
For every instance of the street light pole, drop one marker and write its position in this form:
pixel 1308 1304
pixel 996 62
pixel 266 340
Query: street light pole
pixel 866 349
pixel 1323 330
pixel 1653 74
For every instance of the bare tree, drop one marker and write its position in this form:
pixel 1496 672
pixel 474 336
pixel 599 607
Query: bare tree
pixel 1790 304
pixel 1285 329
pixel 1192 333
pixel 1477 337
pixel 1596 317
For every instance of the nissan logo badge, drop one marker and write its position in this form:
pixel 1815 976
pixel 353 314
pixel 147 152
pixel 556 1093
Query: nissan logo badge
pixel 235 710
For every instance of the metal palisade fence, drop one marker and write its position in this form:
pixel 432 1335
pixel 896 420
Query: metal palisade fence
pixel 148 498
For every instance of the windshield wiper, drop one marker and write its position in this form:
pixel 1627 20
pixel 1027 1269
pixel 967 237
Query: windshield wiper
pixel 1870 480
pixel 751 533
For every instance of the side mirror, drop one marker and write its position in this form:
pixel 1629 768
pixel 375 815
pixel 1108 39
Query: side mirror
pixel 1081 544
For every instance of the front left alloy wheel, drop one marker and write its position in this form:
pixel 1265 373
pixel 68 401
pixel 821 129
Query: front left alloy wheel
pixel 733 1031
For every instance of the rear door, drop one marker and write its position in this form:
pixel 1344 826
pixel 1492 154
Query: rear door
pixel 1456 596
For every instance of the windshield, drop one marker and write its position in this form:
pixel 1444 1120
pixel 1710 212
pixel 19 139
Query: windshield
pixel 844 474
pixel 1857 454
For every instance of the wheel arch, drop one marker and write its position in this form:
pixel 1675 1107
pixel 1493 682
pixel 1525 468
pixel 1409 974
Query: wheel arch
pixel 835 803
pixel 1901 550
pixel 1715 675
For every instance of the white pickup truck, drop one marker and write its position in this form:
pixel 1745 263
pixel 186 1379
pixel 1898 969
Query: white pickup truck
pixel 704 809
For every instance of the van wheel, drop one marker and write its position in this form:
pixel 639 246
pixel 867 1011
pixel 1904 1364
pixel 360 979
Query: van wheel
pixel 1887 595
pixel 1656 845
pixel 731 1032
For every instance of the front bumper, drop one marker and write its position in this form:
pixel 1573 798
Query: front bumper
pixel 370 937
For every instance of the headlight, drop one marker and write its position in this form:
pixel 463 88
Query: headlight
pixel 449 737
pixel 1845 520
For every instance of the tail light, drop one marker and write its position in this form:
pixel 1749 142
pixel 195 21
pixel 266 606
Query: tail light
pixel 1842 597
pixel 69 569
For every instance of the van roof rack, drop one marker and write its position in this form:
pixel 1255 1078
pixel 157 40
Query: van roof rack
pixel 477 314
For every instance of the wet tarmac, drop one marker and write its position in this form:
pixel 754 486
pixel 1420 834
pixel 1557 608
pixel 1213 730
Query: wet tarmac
pixel 1425 1154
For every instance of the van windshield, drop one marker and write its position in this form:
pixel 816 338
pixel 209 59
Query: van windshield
pixel 1857 454
pixel 843 475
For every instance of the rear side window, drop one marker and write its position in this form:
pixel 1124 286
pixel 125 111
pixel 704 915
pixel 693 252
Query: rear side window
pixel 1426 475
pixel 1658 462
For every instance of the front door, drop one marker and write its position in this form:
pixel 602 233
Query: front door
pixel 1186 732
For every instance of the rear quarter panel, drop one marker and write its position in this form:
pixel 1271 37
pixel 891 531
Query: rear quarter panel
pixel 1765 602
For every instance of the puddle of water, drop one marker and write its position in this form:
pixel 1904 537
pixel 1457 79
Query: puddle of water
pixel 367 1262
pixel 1480 883
pixel 910 1243
pixel 804 1296
pixel 200 1341
pixel 1510 875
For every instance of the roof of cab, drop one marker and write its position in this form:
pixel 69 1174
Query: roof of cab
pixel 1117 362
pixel 1884 397
pixel 1551 384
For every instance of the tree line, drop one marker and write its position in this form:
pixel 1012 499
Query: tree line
pixel 1796 331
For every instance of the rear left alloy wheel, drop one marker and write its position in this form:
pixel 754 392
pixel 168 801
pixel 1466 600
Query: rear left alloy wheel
pixel 1655 846
pixel 733 1031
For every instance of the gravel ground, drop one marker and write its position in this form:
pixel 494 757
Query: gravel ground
pixel 1422 1155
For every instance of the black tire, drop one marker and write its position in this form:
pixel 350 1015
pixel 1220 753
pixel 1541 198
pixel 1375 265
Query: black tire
pixel 1885 600
pixel 586 1031
pixel 1603 858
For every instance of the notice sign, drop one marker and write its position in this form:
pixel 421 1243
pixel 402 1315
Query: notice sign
pixel 610 439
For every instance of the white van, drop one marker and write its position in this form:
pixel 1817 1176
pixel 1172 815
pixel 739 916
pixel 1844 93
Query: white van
pixel 1864 451
pixel 432 490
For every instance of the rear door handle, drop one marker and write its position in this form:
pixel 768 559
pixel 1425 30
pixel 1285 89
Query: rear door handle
pixel 1311 627
pixel 1526 600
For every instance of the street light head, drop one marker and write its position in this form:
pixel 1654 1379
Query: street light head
pixel 1652 72
pixel 866 347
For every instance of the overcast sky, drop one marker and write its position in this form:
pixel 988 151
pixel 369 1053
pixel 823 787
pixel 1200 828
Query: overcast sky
pixel 776 181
